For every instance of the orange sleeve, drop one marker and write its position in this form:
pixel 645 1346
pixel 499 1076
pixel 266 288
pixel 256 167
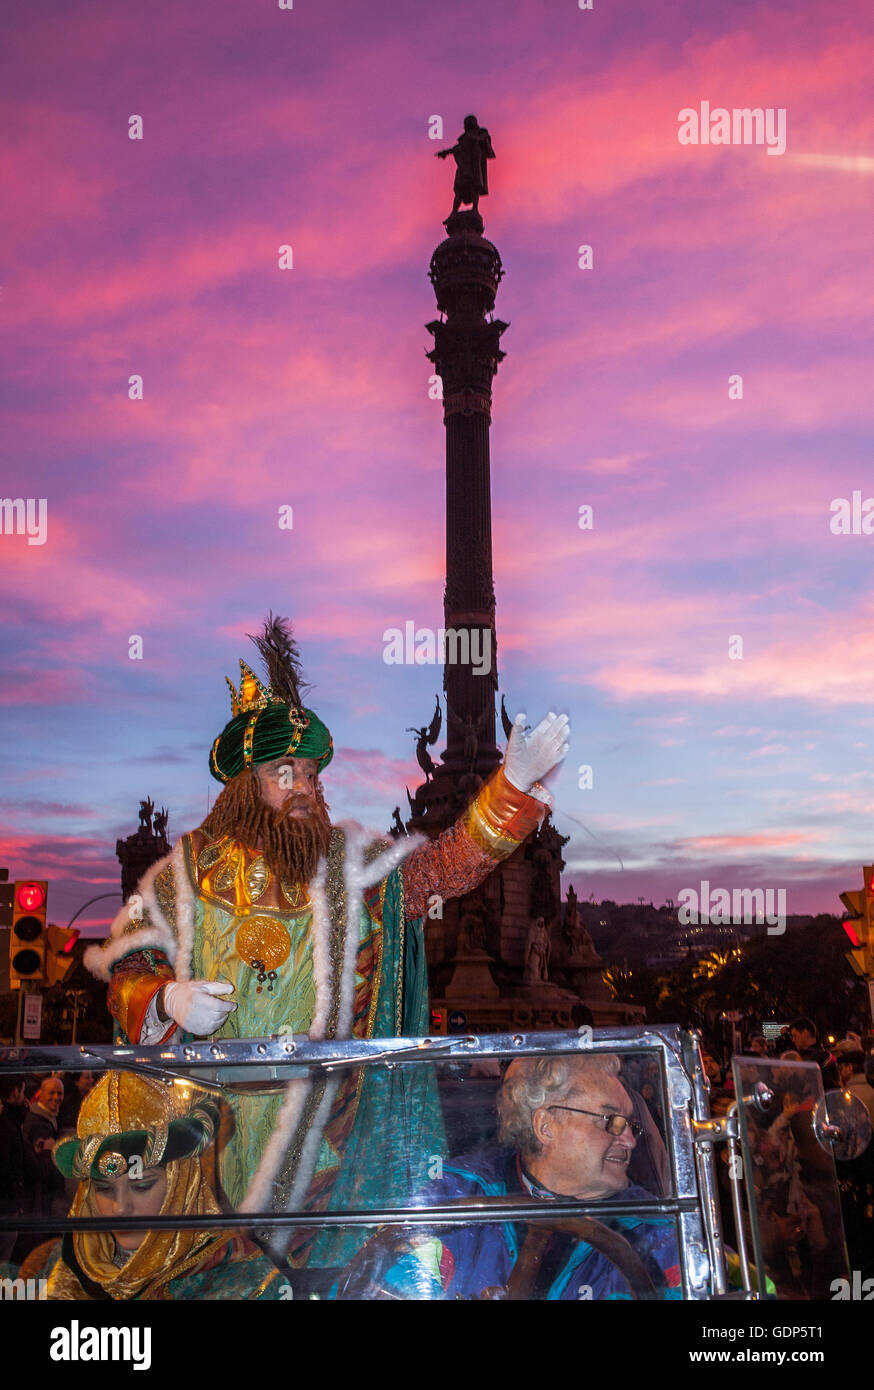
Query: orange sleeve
pixel 135 981
pixel 493 826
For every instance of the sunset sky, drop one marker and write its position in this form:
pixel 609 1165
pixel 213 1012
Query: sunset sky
pixel 308 388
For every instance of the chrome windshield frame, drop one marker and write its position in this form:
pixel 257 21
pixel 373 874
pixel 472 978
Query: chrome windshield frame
pixel 216 1064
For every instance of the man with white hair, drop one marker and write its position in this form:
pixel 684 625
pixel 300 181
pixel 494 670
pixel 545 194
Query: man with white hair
pixel 39 1132
pixel 568 1133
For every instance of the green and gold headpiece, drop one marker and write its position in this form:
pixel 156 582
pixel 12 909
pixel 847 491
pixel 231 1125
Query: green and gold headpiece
pixel 270 721
pixel 127 1117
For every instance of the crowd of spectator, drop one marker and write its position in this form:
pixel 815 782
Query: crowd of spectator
pixel 35 1111
pixel 845 1064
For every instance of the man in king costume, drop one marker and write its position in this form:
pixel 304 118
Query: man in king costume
pixel 267 919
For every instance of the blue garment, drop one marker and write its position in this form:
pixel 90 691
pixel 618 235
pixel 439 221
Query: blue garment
pixel 462 1262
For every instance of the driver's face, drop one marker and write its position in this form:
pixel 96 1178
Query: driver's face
pixel 579 1158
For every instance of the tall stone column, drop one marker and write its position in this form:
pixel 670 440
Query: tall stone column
pixel 465 272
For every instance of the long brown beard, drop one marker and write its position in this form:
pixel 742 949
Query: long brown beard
pixel 292 847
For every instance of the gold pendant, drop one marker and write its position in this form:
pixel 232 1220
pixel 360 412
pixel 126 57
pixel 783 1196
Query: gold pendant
pixel 263 942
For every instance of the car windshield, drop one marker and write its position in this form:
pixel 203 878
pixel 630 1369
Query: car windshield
pixel 553 1166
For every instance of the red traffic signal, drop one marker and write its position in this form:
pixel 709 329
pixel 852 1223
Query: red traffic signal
pixel 59 952
pixel 27 939
pixel 852 933
pixel 30 897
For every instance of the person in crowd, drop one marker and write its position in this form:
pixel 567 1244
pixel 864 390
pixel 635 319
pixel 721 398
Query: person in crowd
pixel 805 1040
pixel 784 1041
pixel 74 1095
pixel 566 1132
pixel 39 1132
pixel 759 1045
pixel 12 1112
pixel 712 1070
pixel 856 1175
pixel 144 1149
pixel 851 1073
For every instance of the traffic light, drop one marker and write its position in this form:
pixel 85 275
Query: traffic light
pixel 859 924
pixel 7 897
pixel 59 952
pixel 439 1023
pixel 27 939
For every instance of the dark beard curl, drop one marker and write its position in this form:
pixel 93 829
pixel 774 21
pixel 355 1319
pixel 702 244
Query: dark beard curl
pixel 292 847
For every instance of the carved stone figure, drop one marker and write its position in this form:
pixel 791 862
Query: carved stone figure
pixel 428 734
pixel 577 941
pixel 537 953
pixel 468 786
pixel 146 809
pixel 471 152
pixel 471 933
pixel 506 721
pixel 470 733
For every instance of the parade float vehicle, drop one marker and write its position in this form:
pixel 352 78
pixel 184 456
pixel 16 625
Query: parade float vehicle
pixel 747 1199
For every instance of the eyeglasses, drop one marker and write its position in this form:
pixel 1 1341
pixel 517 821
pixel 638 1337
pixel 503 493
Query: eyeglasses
pixel 614 1124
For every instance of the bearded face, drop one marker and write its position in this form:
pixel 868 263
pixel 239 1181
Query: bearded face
pixel 279 808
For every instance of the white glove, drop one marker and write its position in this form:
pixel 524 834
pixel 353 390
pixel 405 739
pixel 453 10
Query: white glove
pixel 195 1008
pixel 528 758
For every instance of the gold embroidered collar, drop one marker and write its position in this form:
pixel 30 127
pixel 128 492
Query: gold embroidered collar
pixel 225 867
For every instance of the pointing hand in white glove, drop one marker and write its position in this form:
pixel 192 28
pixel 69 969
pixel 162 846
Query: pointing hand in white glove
pixel 530 757
pixel 195 1006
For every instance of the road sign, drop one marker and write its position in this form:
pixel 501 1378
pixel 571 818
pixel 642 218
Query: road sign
pixel 32 1023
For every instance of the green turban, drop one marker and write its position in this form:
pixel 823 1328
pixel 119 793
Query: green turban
pixel 270 721
pixel 275 733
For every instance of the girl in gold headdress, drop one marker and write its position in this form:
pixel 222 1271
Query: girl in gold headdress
pixel 141 1149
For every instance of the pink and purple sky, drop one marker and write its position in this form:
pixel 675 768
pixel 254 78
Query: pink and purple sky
pixel 309 388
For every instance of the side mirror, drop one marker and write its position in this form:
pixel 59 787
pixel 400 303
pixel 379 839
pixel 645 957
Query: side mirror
pixel 842 1123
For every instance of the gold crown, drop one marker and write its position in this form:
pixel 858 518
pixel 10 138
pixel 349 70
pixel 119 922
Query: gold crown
pixel 253 694
pixel 123 1101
